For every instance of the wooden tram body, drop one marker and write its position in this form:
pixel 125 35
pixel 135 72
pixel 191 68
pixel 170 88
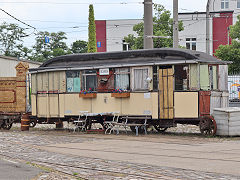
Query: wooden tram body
pixel 169 85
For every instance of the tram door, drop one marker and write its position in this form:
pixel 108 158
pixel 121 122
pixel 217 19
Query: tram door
pixel 166 92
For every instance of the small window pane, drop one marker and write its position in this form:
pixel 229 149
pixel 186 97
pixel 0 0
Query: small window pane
pixel 193 46
pixel 188 45
pixel 73 81
pixel 187 39
pixel 227 5
pixel 238 4
pixel 222 5
pixel 122 79
pixel 140 79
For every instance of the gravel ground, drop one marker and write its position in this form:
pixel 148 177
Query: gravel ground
pixel 24 146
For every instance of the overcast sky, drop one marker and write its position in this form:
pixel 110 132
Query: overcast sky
pixel 71 16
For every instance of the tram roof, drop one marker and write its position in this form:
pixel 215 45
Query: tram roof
pixel 161 56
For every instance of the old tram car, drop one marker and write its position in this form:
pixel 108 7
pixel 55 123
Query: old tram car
pixel 169 85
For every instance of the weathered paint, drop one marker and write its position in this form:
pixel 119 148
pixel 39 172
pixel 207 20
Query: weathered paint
pixel 223 78
pixel 215 78
pixel 204 102
pixel 34 83
pixel 204 77
pixel 186 104
pixel 72 104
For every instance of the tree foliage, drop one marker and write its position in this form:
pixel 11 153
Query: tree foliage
pixel 11 38
pixel 231 52
pixel 55 47
pixel 79 46
pixel 162 26
pixel 92 42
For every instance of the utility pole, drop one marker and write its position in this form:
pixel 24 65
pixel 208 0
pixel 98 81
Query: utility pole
pixel 175 23
pixel 148 24
pixel 208 28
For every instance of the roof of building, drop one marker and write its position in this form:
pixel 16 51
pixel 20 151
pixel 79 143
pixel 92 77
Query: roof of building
pixel 162 56
pixel 16 59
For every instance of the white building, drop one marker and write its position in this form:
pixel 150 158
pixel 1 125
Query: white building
pixel 8 64
pixel 223 13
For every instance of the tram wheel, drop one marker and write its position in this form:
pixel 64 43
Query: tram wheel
pixel 7 126
pixel 159 128
pixel 208 126
pixel 32 123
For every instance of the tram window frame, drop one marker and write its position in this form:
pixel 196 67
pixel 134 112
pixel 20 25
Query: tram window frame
pixel 134 79
pixel 75 77
pixel 119 72
pixel 213 76
pixel 181 77
pixel 155 78
pixel 87 74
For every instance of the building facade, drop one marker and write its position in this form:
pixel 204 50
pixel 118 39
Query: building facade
pixel 8 64
pixel 223 13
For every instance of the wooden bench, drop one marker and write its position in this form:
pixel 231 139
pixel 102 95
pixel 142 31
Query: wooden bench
pixel 126 123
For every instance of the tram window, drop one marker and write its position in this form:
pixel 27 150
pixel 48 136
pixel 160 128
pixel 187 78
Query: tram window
pixel 73 81
pixel 122 78
pixel 213 77
pixel 181 77
pixel 89 80
pixel 140 79
pixel 155 78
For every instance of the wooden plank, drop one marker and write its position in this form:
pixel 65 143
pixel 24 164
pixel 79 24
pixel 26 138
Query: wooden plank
pixel 165 94
pixel 160 93
pixel 170 93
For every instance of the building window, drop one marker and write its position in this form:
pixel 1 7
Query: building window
pixel 125 45
pixel 155 78
pixel 191 43
pixel 73 81
pixel 89 80
pixel 122 78
pixel 181 77
pixel 238 3
pixel 224 4
pixel 140 79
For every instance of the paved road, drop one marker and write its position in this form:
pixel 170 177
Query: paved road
pixel 12 170
pixel 125 157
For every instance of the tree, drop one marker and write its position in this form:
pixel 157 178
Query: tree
pixel 79 46
pixel 231 52
pixel 56 46
pixel 162 26
pixel 11 38
pixel 92 42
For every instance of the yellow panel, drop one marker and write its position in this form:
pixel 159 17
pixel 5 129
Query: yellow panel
pixel 45 81
pixel 61 104
pixel 186 104
pixel 51 81
pixel 39 82
pixel 73 104
pixel 161 93
pixel 56 80
pixel 42 105
pixel 62 79
pixel 170 93
pixel 53 105
pixel 33 104
pixel 154 105
pixel 105 103
pixel 33 83
pixel 137 104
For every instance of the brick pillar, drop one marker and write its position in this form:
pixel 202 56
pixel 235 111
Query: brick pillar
pixel 21 71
